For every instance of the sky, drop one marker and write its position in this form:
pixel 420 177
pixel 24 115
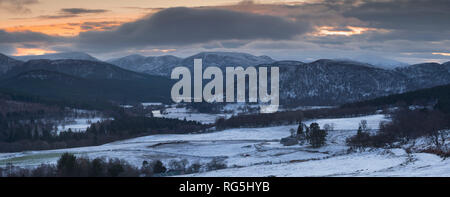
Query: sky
pixel 410 31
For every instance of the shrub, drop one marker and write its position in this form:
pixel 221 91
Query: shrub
pixel 405 124
pixel 115 168
pixel 194 168
pixel 158 167
pixel 176 165
pixel 216 164
pixel 67 164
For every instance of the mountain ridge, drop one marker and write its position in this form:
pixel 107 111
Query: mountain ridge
pixel 7 63
pixel 328 82
pixel 84 81
pixel 81 68
pixel 163 65
pixel 58 56
pixel 322 82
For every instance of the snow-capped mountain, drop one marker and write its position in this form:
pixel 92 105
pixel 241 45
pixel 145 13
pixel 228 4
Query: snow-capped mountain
pixel 83 81
pixel 58 56
pixel 151 65
pixel 163 65
pixel 78 68
pixel 380 62
pixel 426 74
pixel 322 82
pixel 330 82
pixel 7 63
pixel 223 59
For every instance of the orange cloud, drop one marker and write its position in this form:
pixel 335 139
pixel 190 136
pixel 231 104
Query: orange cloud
pixel 350 31
pixel 68 29
pixel 164 50
pixel 443 54
pixel 154 50
pixel 32 51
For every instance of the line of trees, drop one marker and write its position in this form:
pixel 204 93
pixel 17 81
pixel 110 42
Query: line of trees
pixel 289 117
pixel 406 125
pixel 37 135
pixel 69 165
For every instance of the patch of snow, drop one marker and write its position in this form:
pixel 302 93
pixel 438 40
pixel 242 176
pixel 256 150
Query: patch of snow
pixel 78 124
pixel 258 152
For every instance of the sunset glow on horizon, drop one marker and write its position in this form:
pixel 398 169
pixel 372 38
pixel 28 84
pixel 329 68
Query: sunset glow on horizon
pixel 32 51
pixel 67 29
pixel 283 29
pixel 443 54
pixel 327 30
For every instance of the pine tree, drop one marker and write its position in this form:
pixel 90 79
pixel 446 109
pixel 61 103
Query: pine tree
pixel 66 164
pixel 300 129
pixel 359 132
pixel 317 136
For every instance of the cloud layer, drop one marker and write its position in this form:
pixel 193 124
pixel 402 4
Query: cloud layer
pixel 183 26
pixel 17 5
pixel 410 30
pixel 73 12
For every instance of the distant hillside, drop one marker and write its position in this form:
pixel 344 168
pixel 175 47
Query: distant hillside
pixel 7 63
pixel 426 74
pixel 50 84
pixel 79 68
pixel 163 65
pixel 81 81
pixel 332 82
pixel 224 59
pixel 156 65
pixel 322 82
pixel 438 96
pixel 377 61
pixel 58 56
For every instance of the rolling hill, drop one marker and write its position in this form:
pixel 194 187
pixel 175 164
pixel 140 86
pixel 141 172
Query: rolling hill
pixel 438 97
pixel 163 65
pixel 84 81
pixel 58 56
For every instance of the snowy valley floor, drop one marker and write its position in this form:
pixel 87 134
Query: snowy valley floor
pixel 257 152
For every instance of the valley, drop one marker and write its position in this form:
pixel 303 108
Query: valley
pixel 257 152
pixel 122 110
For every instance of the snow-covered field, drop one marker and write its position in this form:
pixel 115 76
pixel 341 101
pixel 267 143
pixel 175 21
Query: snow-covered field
pixel 183 113
pixel 228 111
pixel 257 152
pixel 371 163
pixel 78 124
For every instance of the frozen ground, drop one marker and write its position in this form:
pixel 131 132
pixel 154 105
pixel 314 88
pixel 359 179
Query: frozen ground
pixel 183 113
pixel 257 152
pixel 228 110
pixel 78 124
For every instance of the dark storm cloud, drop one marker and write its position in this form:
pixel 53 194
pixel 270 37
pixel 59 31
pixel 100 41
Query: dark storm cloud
pixel 57 16
pixel 102 25
pixel 405 14
pixel 82 11
pixel 406 19
pixel 182 26
pixel 419 35
pixel 26 36
pixel 392 28
pixel 414 20
pixel 73 12
pixel 9 41
pixel 233 44
pixel 7 49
